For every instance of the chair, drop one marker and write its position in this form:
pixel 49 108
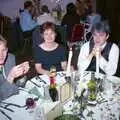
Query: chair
pixel 61 37
pixel 87 31
pixel 77 33
pixel 37 37
pixel 25 37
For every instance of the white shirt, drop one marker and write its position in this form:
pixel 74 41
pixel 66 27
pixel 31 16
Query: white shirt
pixel 109 67
pixel 45 18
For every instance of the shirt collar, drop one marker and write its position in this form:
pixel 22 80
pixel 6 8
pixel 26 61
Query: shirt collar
pixel 103 45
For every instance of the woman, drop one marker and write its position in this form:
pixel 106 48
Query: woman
pixel 49 53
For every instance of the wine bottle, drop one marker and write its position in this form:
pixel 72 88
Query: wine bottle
pixel 52 89
pixel 92 88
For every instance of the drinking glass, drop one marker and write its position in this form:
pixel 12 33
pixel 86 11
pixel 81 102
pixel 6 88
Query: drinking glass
pixel 30 103
pixel 39 114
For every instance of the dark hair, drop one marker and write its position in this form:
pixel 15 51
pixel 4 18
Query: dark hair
pixel 71 8
pixel 48 25
pixel 79 1
pixel 28 4
pixel 3 40
pixel 102 26
pixel 45 9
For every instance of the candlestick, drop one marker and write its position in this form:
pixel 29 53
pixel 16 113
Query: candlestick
pixel 69 62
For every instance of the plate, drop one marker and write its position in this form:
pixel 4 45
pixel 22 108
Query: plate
pixel 114 79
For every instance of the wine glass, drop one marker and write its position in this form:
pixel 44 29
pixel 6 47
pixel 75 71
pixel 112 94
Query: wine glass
pixel 30 103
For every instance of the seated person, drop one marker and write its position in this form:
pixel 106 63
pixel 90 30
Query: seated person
pixel 92 17
pixel 70 19
pixel 9 72
pixel 49 53
pixel 108 52
pixel 26 21
pixel 45 16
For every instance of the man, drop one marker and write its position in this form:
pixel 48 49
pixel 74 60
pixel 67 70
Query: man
pixel 46 16
pixel 108 52
pixel 26 21
pixel 9 72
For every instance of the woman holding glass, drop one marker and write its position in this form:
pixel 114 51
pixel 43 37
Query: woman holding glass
pixel 49 53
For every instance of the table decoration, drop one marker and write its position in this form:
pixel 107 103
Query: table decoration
pixel 102 106
pixel 53 92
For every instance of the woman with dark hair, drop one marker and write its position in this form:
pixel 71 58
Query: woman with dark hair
pixel 49 53
pixel 70 19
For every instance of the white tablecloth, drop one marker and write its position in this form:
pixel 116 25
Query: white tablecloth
pixel 111 107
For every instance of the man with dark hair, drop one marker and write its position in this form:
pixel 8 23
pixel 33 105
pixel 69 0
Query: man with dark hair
pixel 26 21
pixel 46 16
pixel 27 4
pixel 108 52
pixel 9 72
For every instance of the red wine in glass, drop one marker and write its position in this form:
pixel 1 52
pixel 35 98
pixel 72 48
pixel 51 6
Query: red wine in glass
pixel 30 103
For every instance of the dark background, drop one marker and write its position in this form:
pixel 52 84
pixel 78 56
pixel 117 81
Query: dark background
pixel 110 9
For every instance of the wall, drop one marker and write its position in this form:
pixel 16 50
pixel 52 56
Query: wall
pixel 51 3
pixel 10 8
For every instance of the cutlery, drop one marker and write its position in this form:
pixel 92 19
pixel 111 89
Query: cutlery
pixel 5 114
pixel 35 83
pixel 7 108
pixel 40 79
pixel 12 104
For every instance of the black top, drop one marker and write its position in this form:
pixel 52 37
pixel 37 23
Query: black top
pixel 105 53
pixel 50 58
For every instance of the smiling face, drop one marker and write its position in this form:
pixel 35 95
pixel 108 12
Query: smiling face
pixel 49 35
pixel 100 38
pixel 3 52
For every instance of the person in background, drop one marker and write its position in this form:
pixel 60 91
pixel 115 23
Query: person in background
pixel 87 6
pixel 79 8
pixel 49 53
pixel 27 23
pixel 70 19
pixel 45 16
pixel 108 52
pixel 9 72
pixel 92 17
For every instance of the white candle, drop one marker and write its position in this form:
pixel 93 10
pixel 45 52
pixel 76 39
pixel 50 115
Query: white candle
pixel 69 62
pixel 97 63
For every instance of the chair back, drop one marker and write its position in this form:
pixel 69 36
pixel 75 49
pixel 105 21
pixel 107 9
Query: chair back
pixel 61 37
pixel 87 31
pixel 37 36
pixel 77 33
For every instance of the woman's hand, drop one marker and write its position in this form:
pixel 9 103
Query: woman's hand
pixel 18 71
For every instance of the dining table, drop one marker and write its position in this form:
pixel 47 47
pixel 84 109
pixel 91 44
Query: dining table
pixel 72 100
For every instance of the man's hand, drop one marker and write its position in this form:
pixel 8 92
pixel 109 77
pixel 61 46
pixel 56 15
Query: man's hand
pixel 18 71
pixel 96 51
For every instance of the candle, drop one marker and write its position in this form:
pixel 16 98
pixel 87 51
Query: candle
pixel 69 62
pixel 97 63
